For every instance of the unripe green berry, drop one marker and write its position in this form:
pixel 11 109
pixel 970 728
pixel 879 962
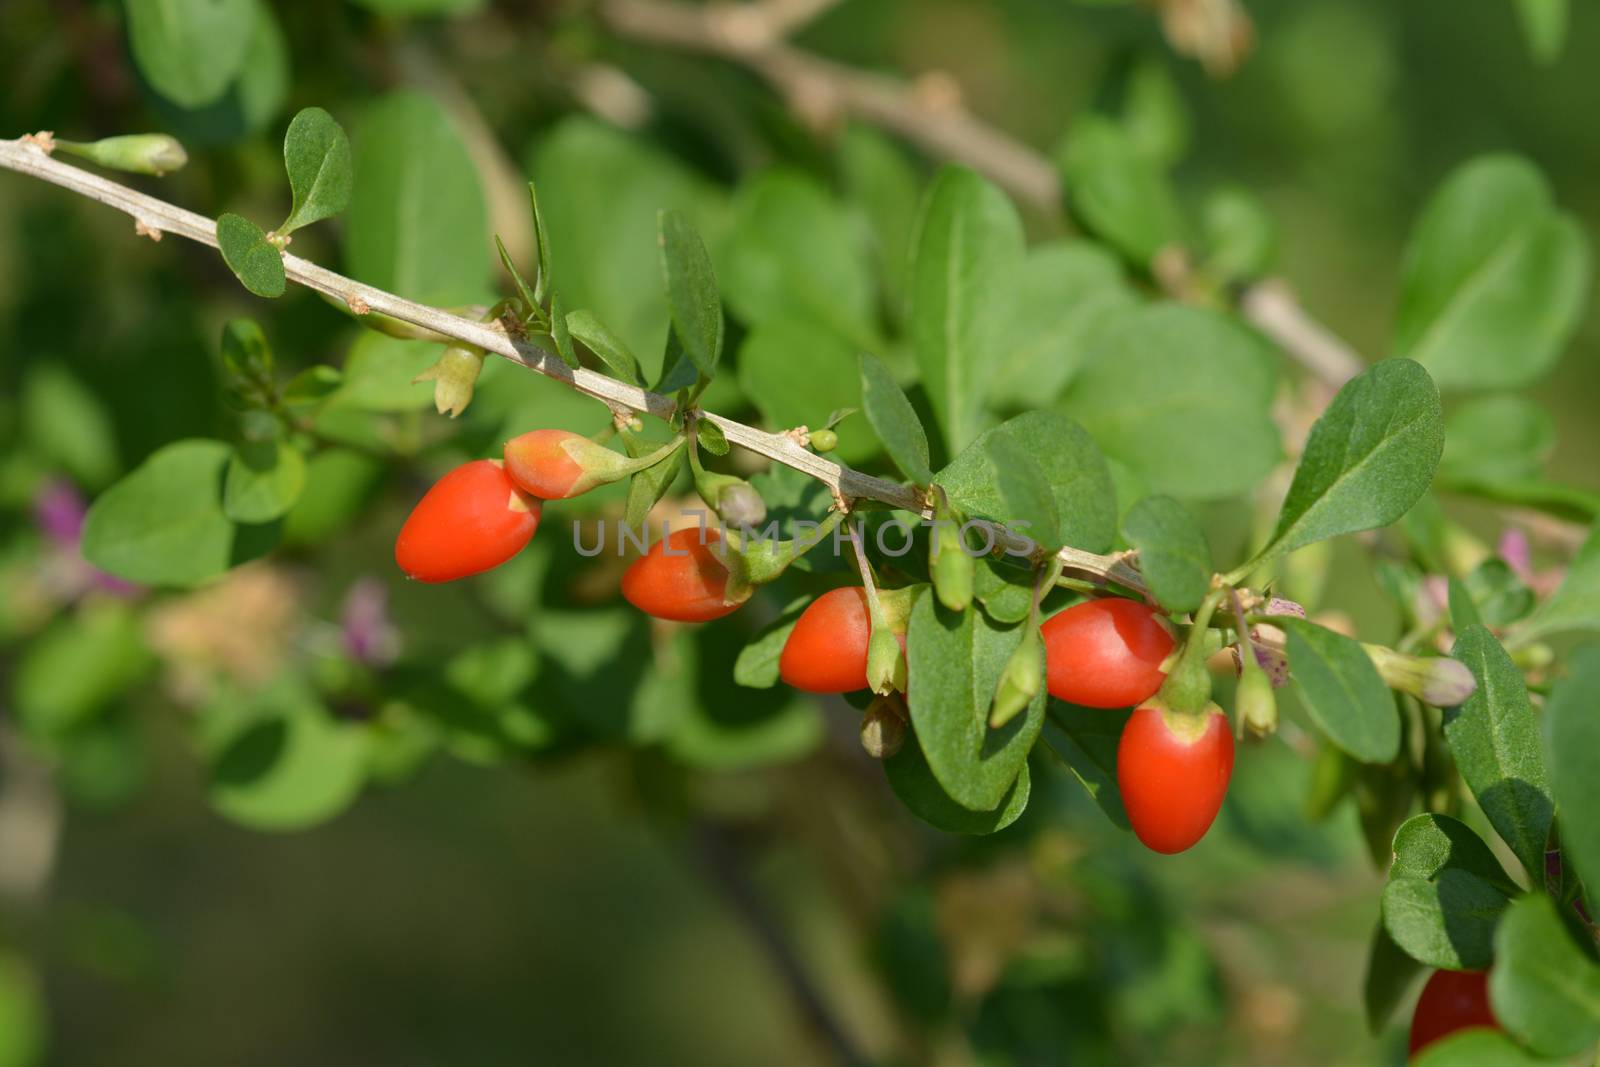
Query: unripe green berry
pixel 824 440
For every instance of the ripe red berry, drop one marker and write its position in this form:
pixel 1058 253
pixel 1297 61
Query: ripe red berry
pixel 827 650
pixel 1105 653
pixel 537 462
pixel 680 578
pixel 471 520
pixel 1451 1001
pixel 1173 772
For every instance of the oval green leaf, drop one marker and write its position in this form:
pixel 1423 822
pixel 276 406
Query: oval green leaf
pixel 1545 989
pixel 316 153
pixel 1173 554
pixel 190 50
pixel 1342 691
pixel 252 258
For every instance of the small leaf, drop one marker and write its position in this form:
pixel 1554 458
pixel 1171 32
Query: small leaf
pixel 1506 437
pixel 545 270
pixel 1024 493
pixel 1494 738
pixel 691 291
pixel 1448 923
pixel 1495 279
pixel 1160 380
pixel 648 486
pixel 956 658
pixel 1544 23
pixel 968 246
pixel 711 437
pixel 1368 460
pixel 1006 592
pixel 558 331
pixel 1086 739
pixel 1342 691
pixel 316 153
pixel 757 665
pixel 523 289
pixel 585 327
pixel 1391 974
pixel 1073 468
pixel 1476 1046
pixel 252 258
pixel 78 668
pixel 190 50
pixel 1241 237
pixel 1173 554
pixel 914 783
pixel 312 386
pixel 163 523
pixel 1545 989
pixel 1575 605
pixel 886 189
pixel 894 420
pixel 1116 192
pixel 1428 844
pixel 796 374
pixel 1572 737
pixel 263 481
pixel 290 767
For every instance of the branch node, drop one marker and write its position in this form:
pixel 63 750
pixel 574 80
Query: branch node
pixel 142 228
pixel 357 306
pixel 44 140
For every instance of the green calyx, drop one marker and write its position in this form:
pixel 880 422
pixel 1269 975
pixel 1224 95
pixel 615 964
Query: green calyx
pixel 1187 689
pixel 950 565
pixel 601 465
pixel 1254 702
pixel 1021 680
pixel 756 561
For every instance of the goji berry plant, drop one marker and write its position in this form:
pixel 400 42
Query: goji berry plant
pixel 971 529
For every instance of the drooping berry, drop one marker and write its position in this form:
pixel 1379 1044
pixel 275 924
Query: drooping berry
pixel 472 519
pixel 541 463
pixel 827 650
pixel 1105 653
pixel 1451 1001
pixel 680 578
pixel 1173 771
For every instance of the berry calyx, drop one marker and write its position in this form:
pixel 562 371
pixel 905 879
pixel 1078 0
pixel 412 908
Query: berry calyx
pixel 827 650
pixel 681 578
pixel 1105 653
pixel 540 463
pixel 1451 1001
pixel 473 519
pixel 1173 770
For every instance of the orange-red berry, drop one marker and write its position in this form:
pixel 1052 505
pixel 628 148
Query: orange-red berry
pixel 680 578
pixel 472 519
pixel 537 462
pixel 1451 1001
pixel 827 650
pixel 1105 653
pixel 1173 777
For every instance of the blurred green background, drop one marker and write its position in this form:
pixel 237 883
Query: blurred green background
pixel 609 906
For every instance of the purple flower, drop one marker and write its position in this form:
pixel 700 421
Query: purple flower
pixel 58 509
pixel 369 637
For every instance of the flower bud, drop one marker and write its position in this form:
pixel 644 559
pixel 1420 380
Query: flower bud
pixel 733 499
pixel 883 727
pixel 1255 704
pixel 1020 681
pixel 1444 683
pixel 137 153
pixel 453 378
pixel 951 567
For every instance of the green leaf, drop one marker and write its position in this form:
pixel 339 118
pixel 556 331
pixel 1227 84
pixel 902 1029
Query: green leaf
pixel 1152 112
pixel 380 375
pixel 757 665
pixel 1086 739
pixel 245 352
pixel 1544 23
pixel 1506 437
pixel 1066 294
pixel 692 294
pixel 1240 236
pixel 795 375
pixel 163 523
pixel 1575 605
pixel 1463 610
pixel 417 224
pixel 913 782
pixel 530 298
pixel 968 247
pixel 1391 974
pixel 190 50
pixel 1173 554
pixel 711 437
pixel 724 727
pixel 66 425
pixel 886 189
pixel 263 482
pixel 585 327
pixel 1006 592
pixel 311 386
pixel 1073 468
pixel 250 102
pixel 956 659
pixel 894 420
pixel 1448 923
pixel 24 1019
pixel 339 482
pixel 1494 738
pixel 290 766
pixel 648 486
pixel 1118 193
pixel 316 153
pixel 1495 278
pixel 1342 691
pixel 1024 493
pixel 1475 1047
pixel 79 667
pixel 1572 737
pixel 252 258
pixel 790 252
pixel 1183 397
pixel 1368 460
pixel 1428 844
pixel 1545 989
pixel 559 332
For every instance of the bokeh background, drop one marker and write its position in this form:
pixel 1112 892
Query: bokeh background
pixel 608 905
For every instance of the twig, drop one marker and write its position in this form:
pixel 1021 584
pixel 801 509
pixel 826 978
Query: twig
pixel 159 215
pixel 939 125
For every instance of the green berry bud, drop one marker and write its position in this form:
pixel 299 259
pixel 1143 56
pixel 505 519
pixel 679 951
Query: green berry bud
pixel 138 153
pixel 1020 681
pixel 824 440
